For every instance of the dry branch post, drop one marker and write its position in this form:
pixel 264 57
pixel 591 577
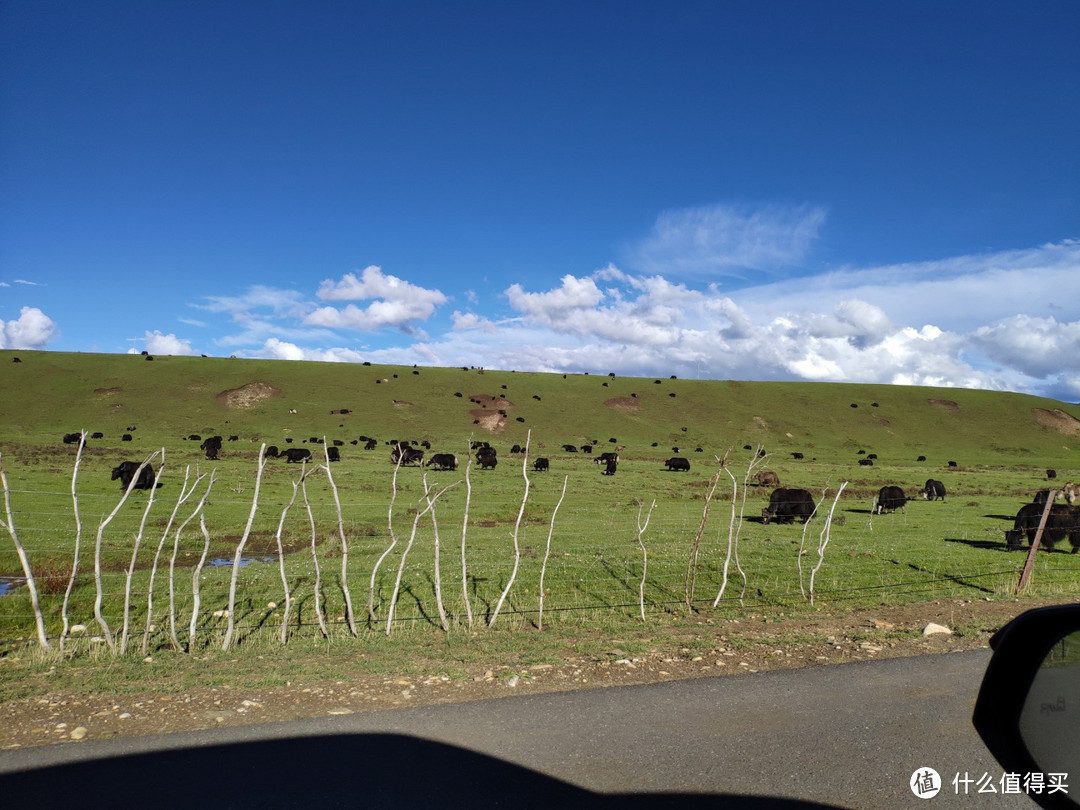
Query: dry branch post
pixel 393 540
pixel 547 554
pixel 99 594
pixel 281 563
pixel 78 542
pixel 31 585
pixel 464 531
pixel 641 527
pixel 823 540
pixel 126 625
pixel 185 493
pixel 408 546
pixel 517 528
pixel 174 633
pixel 314 556
pixel 344 544
pixel 196 599
pixel 231 627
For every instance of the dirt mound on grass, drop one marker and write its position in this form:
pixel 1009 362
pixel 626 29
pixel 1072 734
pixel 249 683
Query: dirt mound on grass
pixel 491 421
pixel 1057 420
pixel 246 396
pixel 622 403
pixel 944 404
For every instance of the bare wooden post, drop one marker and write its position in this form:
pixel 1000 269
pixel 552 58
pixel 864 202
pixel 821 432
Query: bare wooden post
pixel 196 575
pixel 174 633
pixel 314 556
pixel 185 493
pixel 1025 575
pixel 281 564
pixel 464 531
pixel 644 554
pixel 692 562
pixel 823 539
pixel 31 585
pixel 393 540
pixel 438 569
pixel 78 541
pixel 126 624
pixel 231 619
pixel 344 545
pixel 97 552
pixel 517 528
pixel 547 554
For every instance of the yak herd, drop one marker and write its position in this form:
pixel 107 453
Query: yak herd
pixel 1058 521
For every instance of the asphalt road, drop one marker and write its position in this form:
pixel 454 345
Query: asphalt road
pixel 847 736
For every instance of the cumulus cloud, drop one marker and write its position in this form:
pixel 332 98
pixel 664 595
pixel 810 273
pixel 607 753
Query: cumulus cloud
pixel 158 343
pixel 394 302
pixel 33 329
pixel 728 240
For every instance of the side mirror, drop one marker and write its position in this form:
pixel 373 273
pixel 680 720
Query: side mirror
pixel 1028 708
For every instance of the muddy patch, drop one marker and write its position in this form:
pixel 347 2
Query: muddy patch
pixel 247 396
pixel 1058 420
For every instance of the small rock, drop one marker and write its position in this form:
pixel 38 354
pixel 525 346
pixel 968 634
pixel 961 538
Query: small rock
pixel 936 629
pixel 78 732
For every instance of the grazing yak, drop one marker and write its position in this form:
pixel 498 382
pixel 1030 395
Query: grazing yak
pixel 767 478
pixel 611 464
pixel 72 438
pixel 333 454
pixel 933 490
pixel 605 458
pixel 1062 521
pixel 487 458
pixel 787 504
pixel 541 465
pixel 678 464
pixel 403 454
pixel 443 461
pixel 126 473
pixel 271 451
pixel 889 499
pixel 212 446
pixel 293 455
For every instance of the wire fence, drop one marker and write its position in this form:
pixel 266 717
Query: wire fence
pixel 181 571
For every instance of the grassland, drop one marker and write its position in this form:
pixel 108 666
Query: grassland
pixel 1002 445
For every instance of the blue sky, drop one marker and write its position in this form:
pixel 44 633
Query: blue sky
pixel 837 191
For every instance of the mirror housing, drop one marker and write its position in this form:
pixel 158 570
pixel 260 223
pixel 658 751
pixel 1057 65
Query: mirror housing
pixel 1016 713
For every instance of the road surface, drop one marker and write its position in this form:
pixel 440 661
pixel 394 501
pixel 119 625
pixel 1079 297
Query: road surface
pixel 847 736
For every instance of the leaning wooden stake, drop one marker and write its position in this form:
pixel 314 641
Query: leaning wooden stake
pixel 126 624
pixel 185 493
pixel 231 626
pixel 517 528
pixel 1025 575
pixel 408 547
pixel 196 577
pixel 31 585
pixel 78 542
pixel 344 545
pixel 174 633
pixel 823 540
pixel 389 548
pixel 443 620
pixel 644 554
pixel 464 531
pixel 547 554
pixel 695 547
pixel 97 551
pixel 281 564
pixel 314 557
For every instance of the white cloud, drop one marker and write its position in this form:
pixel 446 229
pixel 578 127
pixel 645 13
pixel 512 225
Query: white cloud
pixel 158 343
pixel 33 329
pixel 396 303
pixel 728 240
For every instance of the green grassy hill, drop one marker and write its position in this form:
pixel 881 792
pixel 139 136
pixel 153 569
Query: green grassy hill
pixel 1002 445
pixel 48 394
